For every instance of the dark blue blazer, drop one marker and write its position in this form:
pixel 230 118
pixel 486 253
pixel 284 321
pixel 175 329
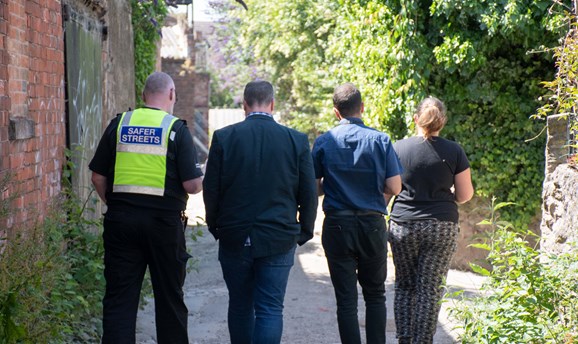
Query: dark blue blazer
pixel 260 183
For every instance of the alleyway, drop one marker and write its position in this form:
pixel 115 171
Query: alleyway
pixel 309 304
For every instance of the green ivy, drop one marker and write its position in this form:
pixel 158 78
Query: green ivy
pixel 488 69
pixel 484 58
pixel 147 20
pixel 562 94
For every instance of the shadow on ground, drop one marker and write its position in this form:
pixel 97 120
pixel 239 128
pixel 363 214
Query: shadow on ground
pixel 309 314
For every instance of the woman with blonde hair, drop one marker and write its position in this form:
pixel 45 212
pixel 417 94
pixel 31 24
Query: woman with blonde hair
pixel 424 221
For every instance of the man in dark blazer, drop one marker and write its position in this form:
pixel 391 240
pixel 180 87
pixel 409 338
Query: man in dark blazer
pixel 260 201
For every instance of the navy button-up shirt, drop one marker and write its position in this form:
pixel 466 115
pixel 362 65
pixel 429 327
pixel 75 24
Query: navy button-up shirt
pixel 354 161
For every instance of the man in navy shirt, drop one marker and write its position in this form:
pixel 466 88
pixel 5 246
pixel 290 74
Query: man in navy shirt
pixel 357 170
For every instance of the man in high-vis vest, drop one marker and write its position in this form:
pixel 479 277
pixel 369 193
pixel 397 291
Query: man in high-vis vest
pixel 143 170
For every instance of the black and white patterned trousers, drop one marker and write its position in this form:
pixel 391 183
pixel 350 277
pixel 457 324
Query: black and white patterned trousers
pixel 422 252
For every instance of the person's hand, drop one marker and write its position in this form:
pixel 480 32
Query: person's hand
pixel 303 238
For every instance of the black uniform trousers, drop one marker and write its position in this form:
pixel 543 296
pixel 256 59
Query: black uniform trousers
pixel 135 238
pixel 356 251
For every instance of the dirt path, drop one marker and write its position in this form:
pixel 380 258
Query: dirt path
pixel 309 316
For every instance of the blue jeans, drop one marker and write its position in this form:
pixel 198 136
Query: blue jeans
pixel 356 251
pixel 256 293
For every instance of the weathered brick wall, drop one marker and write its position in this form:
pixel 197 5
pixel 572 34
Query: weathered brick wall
pixel 184 78
pixel 193 95
pixel 32 117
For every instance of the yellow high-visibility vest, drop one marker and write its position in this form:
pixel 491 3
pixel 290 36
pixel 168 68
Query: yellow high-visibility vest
pixel 141 151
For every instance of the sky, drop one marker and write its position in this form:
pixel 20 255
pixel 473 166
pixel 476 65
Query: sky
pixel 200 9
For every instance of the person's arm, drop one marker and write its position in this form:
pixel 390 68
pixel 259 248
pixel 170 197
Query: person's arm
pixel 464 190
pixel 100 165
pixel 193 186
pixel 317 156
pixel 99 182
pixel 392 186
pixel 188 167
pixel 211 185
pixel 320 187
pixel 392 174
pixel 307 197
pixel 387 198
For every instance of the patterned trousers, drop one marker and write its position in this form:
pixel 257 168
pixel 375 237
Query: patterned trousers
pixel 422 252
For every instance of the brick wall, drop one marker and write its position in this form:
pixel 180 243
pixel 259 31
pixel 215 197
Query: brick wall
pixel 32 112
pixel 193 95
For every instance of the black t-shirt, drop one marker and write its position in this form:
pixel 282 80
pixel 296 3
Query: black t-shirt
pixel 182 165
pixel 429 167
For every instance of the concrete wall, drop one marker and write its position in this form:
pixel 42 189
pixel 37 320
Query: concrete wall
pixel 119 81
pixel 118 67
pixel 32 99
pixel 83 32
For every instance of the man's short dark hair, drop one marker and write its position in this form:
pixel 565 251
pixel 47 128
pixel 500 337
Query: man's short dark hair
pixel 258 92
pixel 347 100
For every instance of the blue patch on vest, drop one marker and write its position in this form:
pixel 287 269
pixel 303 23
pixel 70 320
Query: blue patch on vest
pixel 141 135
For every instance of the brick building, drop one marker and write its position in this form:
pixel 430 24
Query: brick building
pixel 184 57
pixel 65 68
pixel 32 101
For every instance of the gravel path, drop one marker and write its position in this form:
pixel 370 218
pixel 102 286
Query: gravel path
pixel 309 316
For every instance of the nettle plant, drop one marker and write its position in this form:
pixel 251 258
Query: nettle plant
pixel 51 283
pixel 529 297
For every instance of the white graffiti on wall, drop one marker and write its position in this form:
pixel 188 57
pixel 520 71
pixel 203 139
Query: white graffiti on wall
pixel 85 102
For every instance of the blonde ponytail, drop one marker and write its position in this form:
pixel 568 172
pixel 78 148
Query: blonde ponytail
pixel 431 116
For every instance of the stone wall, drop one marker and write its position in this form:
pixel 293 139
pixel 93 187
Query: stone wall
pixel 32 99
pixel 560 193
pixel 560 209
pixel 471 213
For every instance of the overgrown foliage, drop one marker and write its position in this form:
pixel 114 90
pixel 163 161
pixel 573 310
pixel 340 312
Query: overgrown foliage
pixel 563 90
pixel 485 59
pixel 147 19
pixel 51 283
pixel 26 266
pixel 5 201
pixel 529 297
